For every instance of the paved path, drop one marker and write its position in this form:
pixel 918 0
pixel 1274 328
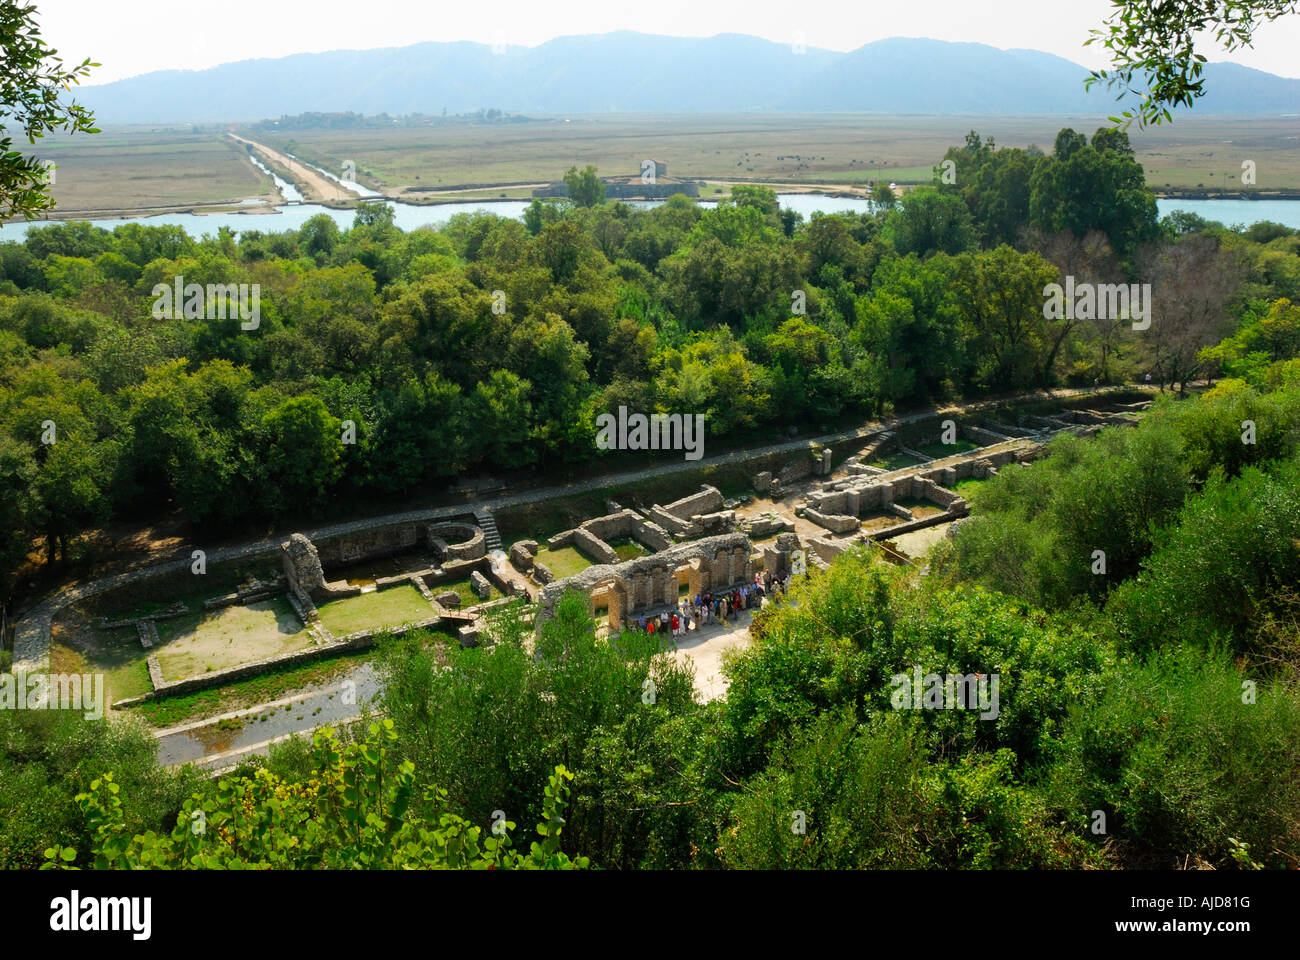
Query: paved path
pixel 32 632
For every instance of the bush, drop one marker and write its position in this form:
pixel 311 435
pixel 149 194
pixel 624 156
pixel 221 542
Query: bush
pixel 1181 765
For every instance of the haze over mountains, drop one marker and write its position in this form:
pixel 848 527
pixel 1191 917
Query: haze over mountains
pixel 635 72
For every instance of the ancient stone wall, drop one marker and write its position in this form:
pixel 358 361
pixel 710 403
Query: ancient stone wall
pixel 593 546
pixel 456 541
pixel 302 566
pixel 707 500
pixel 712 563
pixel 834 522
pixel 367 544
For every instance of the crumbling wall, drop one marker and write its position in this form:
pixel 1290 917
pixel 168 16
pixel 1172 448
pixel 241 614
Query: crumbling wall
pixel 834 522
pixel 593 546
pixel 302 567
pixel 707 500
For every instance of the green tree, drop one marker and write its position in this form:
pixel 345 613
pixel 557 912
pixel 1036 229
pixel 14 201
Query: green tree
pixel 929 221
pixel 586 189
pixel 303 452
pixel 1083 187
pixel 1153 44
pixel 31 80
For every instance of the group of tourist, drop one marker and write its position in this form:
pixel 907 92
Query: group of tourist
pixel 694 612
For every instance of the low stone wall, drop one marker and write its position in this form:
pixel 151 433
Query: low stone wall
pixel 249 594
pixel 593 546
pixel 889 533
pixel 177 609
pixel 760 528
pixel 707 500
pixel 834 522
pixel 724 521
pixel 628 523
pixel 674 525
pixel 561 540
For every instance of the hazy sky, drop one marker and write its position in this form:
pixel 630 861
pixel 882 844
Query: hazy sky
pixel 136 36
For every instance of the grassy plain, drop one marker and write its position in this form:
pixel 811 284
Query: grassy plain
pixel 843 150
pixel 130 168
pixel 141 168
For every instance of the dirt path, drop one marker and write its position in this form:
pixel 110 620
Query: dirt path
pixel 314 185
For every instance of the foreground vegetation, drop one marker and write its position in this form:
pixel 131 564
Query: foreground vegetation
pixel 1149 713
pixel 1150 721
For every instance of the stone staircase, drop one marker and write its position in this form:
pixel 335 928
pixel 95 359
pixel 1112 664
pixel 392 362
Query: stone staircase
pixel 488 524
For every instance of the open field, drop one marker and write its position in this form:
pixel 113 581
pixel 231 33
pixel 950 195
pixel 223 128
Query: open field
pixel 564 562
pixel 133 168
pixel 844 150
pixel 142 168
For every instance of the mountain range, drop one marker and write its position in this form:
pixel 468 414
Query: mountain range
pixel 630 72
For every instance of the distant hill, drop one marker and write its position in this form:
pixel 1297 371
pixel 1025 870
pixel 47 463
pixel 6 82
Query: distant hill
pixel 636 72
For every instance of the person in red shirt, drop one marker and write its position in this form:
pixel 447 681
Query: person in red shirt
pixel 676 623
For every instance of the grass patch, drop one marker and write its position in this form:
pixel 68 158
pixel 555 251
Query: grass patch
pixel 374 611
pixel 210 640
pixel 468 598
pixel 564 562
pixel 895 461
pixel 938 450
pixel 628 549
pixel 969 488
pixel 129 680
pixel 274 685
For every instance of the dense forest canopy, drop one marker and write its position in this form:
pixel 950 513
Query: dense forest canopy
pixel 492 344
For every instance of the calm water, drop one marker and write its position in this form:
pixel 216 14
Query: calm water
pixel 291 216
pixel 1229 212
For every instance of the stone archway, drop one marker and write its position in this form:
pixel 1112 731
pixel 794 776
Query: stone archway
pixel 713 563
pixel 611 595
